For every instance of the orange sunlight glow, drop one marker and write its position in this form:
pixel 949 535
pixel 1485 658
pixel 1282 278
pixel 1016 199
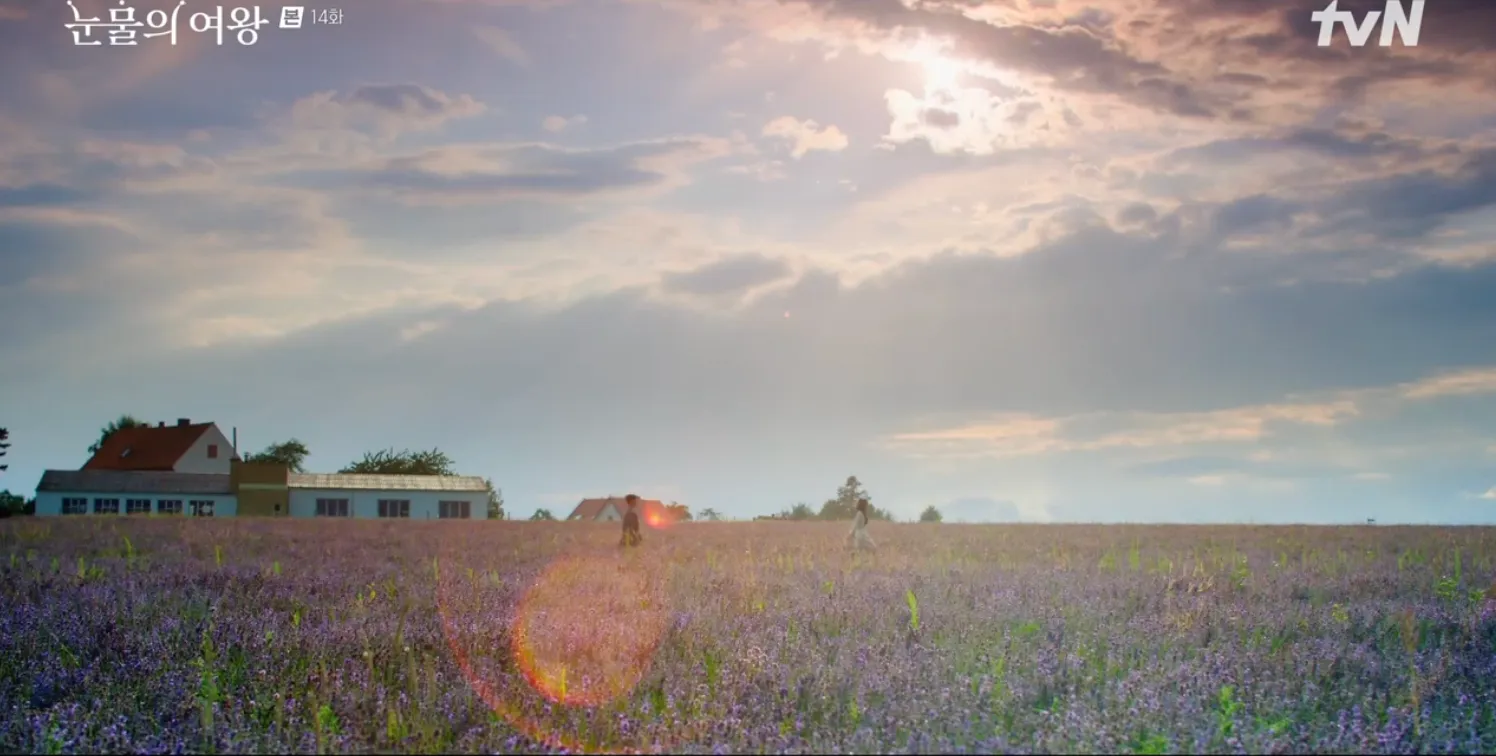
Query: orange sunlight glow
pixel 587 629
pixel 583 635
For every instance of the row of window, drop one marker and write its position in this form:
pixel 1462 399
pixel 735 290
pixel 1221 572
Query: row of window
pixel 79 505
pixel 446 510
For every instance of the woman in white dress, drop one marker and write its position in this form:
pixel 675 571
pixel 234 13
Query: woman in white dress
pixel 859 537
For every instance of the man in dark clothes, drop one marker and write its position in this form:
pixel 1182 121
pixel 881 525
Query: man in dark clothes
pixel 631 535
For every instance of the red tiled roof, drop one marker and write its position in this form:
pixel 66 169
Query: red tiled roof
pixel 589 509
pixel 146 447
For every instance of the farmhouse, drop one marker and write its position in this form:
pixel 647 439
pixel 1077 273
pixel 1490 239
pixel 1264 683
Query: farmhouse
pixel 192 469
pixel 612 509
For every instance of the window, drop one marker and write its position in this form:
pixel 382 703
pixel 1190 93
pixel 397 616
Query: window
pixel 454 510
pixel 106 506
pixel 394 507
pixel 200 508
pixel 137 506
pixel 72 506
pixel 169 506
pixel 212 451
pixel 332 507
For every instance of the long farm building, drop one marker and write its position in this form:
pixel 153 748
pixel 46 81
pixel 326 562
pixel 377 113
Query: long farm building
pixel 191 469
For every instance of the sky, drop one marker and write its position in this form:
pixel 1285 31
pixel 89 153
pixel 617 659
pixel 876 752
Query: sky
pixel 1041 260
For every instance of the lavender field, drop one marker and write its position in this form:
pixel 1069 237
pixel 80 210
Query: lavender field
pixel 154 635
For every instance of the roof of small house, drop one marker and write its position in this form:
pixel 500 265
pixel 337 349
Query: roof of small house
pixel 352 482
pixel 146 447
pixel 133 482
pixel 590 509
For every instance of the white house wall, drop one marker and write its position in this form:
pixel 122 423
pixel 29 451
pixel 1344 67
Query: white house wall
pixel 609 514
pixel 49 503
pixel 196 459
pixel 365 503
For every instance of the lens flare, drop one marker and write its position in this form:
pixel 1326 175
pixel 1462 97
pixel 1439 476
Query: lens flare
pixel 587 629
pixel 582 635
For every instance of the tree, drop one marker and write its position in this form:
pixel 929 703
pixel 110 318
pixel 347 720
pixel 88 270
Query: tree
pixel 12 504
pixel 124 421
pixel 4 446
pixel 542 514
pixel 291 453
pixel 711 514
pixel 495 501
pixel 407 462
pixel 845 503
pixel 679 512
pixel 931 514
pixel 801 511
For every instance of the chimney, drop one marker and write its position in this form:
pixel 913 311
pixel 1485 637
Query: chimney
pixel 183 422
pixel 235 441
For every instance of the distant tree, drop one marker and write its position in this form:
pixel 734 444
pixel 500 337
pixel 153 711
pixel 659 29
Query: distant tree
pixel 30 507
pixel 407 462
pixel 679 512
pixel 711 514
pixel 292 454
pixel 4 446
pixel 931 514
pixel 800 511
pixel 845 503
pixel 11 504
pixel 495 501
pixel 542 514
pixel 123 422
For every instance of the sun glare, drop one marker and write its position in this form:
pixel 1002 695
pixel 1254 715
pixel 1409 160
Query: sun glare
pixel 941 73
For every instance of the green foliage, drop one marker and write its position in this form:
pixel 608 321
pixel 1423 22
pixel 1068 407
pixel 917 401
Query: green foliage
pixel 542 515
pixel 931 514
pixel 679 512
pixel 495 501
pixel 845 504
pixel 408 462
pixel 405 462
pixel 711 515
pixel 123 422
pixel 801 511
pixel 1227 707
pixel 1447 588
pixel 292 454
pixel 4 446
pixel 14 504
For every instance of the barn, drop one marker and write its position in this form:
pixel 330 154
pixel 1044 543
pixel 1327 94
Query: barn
pixel 192 469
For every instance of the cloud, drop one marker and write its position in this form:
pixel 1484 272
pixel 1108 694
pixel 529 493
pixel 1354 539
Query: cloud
pixel 730 276
pixel 484 172
pixel 1018 435
pixel 386 109
pixel 1024 435
pixel 556 124
pixel 500 42
pixel 1490 493
pixel 1457 383
pixel 805 136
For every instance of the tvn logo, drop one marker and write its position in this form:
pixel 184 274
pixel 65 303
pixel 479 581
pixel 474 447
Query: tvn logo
pixel 1395 20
